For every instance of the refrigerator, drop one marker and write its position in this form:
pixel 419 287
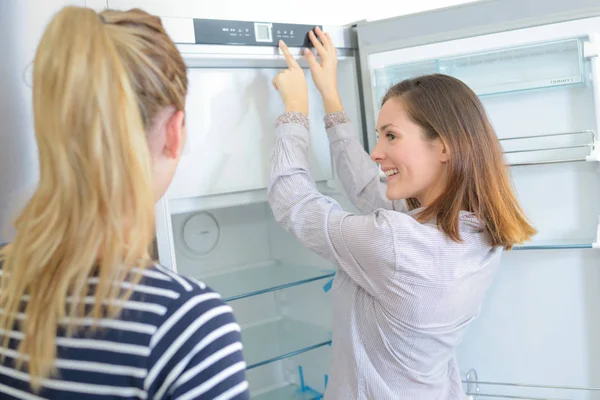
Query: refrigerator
pixel 534 64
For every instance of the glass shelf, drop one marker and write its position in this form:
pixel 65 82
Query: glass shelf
pixel 274 341
pixel 263 278
pixel 290 392
pixel 542 65
pixel 556 245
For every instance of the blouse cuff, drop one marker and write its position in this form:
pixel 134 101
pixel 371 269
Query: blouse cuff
pixel 292 118
pixel 335 118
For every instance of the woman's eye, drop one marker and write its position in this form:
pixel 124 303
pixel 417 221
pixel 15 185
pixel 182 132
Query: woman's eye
pixel 390 136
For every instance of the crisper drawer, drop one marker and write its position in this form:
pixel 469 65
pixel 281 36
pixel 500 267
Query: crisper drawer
pixel 230 119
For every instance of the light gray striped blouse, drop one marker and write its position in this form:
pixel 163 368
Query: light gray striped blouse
pixel 404 293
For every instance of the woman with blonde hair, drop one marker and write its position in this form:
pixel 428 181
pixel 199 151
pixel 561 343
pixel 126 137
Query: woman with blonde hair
pixel 414 266
pixel 84 310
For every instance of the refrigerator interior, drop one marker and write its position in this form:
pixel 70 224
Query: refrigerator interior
pixel 277 288
pixel 221 228
pixel 540 322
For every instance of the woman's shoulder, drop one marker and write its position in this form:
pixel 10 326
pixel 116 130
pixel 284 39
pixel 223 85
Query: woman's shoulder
pixel 159 275
pixel 184 302
pixel 174 289
pixel 425 240
pixel 195 325
pixel 409 219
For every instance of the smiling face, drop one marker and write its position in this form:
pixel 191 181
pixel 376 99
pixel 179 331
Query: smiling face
pixel 441 153
pixel 415 165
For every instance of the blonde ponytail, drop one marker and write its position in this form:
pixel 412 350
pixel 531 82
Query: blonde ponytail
pixel 98 82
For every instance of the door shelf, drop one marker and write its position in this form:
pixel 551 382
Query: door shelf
pixel 557 245
pixel 280 339
pixel 263 278
pixel 593 243
pixel 541 65
pixel 289 392
pixel 551 148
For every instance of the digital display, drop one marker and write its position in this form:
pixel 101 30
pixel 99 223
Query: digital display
pixel 263 32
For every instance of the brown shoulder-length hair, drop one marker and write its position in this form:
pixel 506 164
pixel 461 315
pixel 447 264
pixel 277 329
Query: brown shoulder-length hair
pixel 478 182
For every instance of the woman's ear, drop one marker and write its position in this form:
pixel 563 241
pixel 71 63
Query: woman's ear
pixel 444 152
pixel 175 135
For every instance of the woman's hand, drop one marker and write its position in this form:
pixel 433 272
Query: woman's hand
pixel 325 74
pixel 291 84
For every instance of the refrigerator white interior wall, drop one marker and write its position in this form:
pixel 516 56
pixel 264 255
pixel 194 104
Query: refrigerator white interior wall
pixel 240 239
pixel 539 323
pixel 348 89
pixel 231 112
pixel 230 120
pixel 266 378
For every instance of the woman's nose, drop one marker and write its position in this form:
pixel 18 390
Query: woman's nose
pixel 377 155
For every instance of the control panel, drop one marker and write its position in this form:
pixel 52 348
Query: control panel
pixel 211 31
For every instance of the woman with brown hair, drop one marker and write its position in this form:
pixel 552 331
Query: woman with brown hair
pixel 84 310
pixel 414 267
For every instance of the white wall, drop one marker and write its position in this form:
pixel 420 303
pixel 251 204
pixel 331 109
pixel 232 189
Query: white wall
pixel 325 12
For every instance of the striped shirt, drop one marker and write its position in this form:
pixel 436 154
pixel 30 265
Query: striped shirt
pixel 174 339
pixel 404 293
